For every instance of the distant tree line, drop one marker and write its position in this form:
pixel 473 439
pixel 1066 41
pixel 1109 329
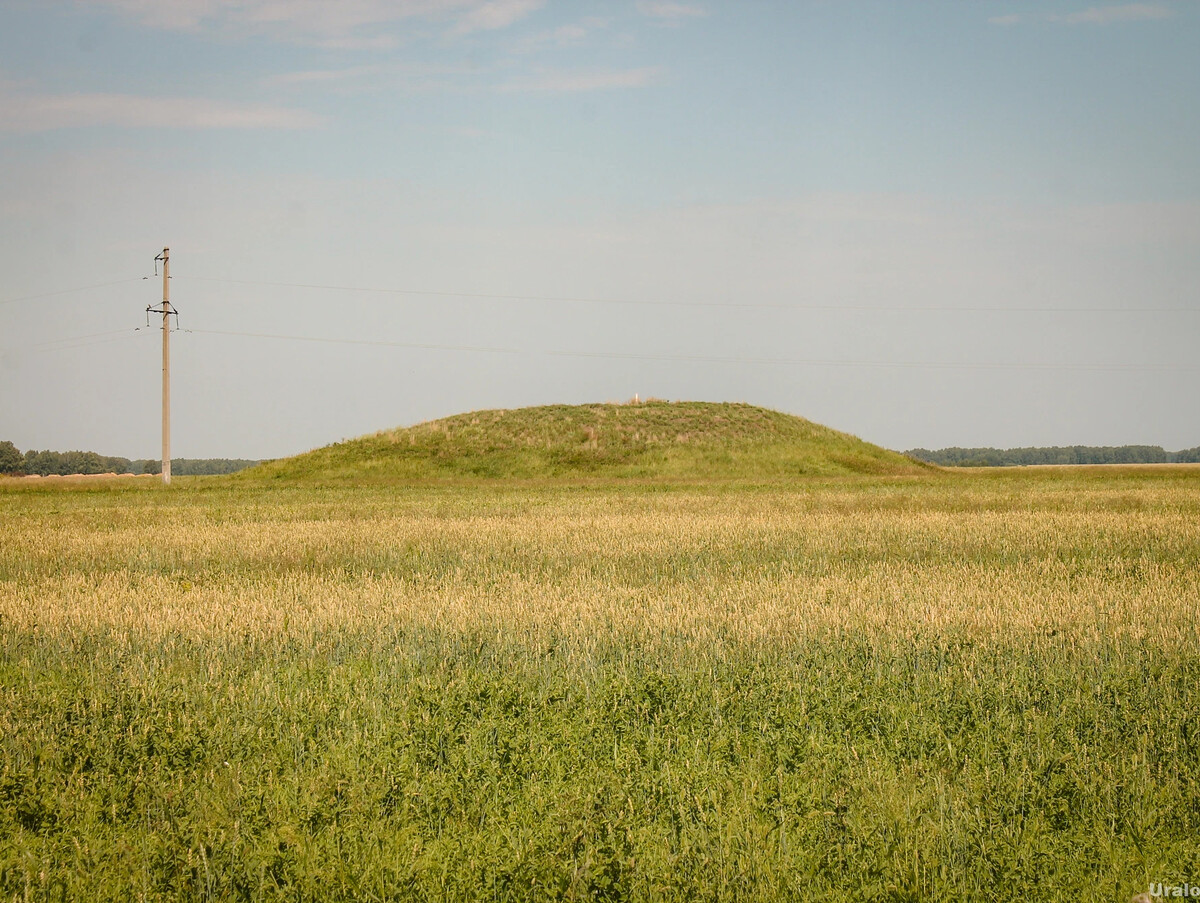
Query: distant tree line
pixel 48 463
pixel 1071 454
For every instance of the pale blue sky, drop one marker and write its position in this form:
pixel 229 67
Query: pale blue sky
pixel 927 223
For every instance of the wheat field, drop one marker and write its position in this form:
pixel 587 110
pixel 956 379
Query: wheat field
pixel 925 687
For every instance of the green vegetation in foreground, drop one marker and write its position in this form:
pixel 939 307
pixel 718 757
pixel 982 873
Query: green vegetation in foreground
pixel 438 766
pixel 653 440
pixel 948 687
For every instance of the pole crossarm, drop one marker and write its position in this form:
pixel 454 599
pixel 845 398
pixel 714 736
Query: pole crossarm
pixel 170 312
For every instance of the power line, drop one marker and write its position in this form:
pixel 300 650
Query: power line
pixel 79 338
pixel 74 342
pixel 567 299
pixel 377 342
pixel 698 358
pixel 99 338
pixel 564 299
pixel 68 291
pixel 103 338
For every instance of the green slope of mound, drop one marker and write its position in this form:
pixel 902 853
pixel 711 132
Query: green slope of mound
pixel 655 439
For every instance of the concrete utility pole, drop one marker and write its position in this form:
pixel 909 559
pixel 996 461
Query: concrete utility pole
pixel 166 312
pixel 166 309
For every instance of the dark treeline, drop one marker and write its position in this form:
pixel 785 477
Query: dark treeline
pixel 194 467
pixel 1071 454
pixel 48 463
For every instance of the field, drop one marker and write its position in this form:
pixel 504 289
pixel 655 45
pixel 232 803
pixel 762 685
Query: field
pixel 919 686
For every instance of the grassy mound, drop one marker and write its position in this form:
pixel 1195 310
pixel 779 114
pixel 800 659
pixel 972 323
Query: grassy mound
pixel 658 439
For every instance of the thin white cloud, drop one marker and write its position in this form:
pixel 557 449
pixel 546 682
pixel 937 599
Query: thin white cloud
pixel 353 73
pixel 353 24
pixel 562 36
pixel 175 15
pixel 359 42
pixel 1106 15
pixel 567 34
pixel 29 112
pixel 495 14
pixel 409 77
pixel 422 77
pixel 419 77
pixel 667 9
pixel 325 76
pixel 559 82
pixel 1093 15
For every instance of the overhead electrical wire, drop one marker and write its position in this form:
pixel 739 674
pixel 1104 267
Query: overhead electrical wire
pixel 68 291
pixel 701 358
pixel 117 335
pixel 85 341
pixel 636 302
pixel 103 338
pixel 565 299
pixel 92 335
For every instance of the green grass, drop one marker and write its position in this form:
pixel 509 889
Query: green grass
pixel 883 687
pixel 657 439
pixel 427 766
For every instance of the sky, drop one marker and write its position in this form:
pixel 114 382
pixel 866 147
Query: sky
pixel 925 223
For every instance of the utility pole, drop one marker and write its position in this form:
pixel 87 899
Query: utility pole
pixel 166 310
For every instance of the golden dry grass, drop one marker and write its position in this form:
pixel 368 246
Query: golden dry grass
pixel 1081 559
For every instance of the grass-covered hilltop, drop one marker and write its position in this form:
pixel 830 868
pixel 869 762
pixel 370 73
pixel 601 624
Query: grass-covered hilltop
pixel 655 439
